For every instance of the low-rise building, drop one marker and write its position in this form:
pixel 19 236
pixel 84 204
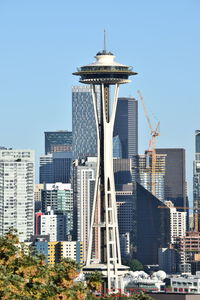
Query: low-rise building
pixel 186 283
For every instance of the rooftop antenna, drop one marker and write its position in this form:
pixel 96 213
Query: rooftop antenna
pixel 104 50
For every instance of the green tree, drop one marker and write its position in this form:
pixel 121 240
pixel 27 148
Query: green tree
pixel 27 277
pixel 134 264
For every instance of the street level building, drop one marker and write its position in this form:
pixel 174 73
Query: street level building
pixel 17 192
pixel 56 251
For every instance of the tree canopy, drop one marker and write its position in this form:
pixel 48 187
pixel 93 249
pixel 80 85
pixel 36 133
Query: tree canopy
pixel 26 276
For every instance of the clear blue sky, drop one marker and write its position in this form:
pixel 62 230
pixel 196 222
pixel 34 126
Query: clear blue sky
pixel 43 41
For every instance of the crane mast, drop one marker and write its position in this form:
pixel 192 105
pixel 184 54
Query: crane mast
pixel 152 144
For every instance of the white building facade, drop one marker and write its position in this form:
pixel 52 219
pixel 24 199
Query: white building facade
pixel 17 192
pixel 84 179
pixel 53 225
pixel 177 222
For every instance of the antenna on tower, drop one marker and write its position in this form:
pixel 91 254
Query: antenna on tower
pixel 104 50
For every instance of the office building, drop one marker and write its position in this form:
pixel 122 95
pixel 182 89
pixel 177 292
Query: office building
pixel 38 191
pixel 125 244
pixel 122 171
pixel 168 259
pixel 84 172
pixel 117 147
pixel 17 192
pixel 56 167
pixel 196 175
pixel 46 168
pixel 38 196
pixel 53 225
pixel 125 214
pixel 126 126
pixel 83 123
pixel 175 176
pixel 59 197
pixel 152 226
pixel 58 141
pixel 62 164
pixel 142 165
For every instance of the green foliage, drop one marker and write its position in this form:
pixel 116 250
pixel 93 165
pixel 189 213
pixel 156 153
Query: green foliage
pixel 27 277
pixel 134 264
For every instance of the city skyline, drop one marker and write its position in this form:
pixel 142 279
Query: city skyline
pixel 37 59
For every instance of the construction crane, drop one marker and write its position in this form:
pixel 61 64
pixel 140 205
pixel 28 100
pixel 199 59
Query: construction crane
pixel 195 209
pixel 152 144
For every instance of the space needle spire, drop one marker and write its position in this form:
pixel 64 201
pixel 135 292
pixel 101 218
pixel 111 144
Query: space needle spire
pixel 104 248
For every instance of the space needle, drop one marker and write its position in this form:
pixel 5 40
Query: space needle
pixel 103 254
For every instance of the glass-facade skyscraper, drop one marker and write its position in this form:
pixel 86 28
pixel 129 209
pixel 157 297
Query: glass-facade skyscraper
pixel 83 123
pixel 58 141
pixel 126 126
pixel 56 167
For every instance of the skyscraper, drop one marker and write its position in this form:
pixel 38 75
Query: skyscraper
pixel 175 178
pixel 196 174
pixel 58 141
pixel 105 72
pixel 83 123
pixel 142 170
pixel 56 167
pixel 152 226
pixel 17 192
pixel 126 126
pixel 83 186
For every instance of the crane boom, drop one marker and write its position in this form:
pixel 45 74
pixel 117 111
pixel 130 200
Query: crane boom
pixel 152 144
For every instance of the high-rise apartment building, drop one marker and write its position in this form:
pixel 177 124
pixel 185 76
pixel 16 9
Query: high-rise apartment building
pixel 56 167
pixel 83 123
pixel 83 187
pixel 17 192
pixel 53 225
pixel 142 170
pixel 126 126
pixel 175 175
pixel 59 197
pixel 58 141
pixel 177 222
pixel 196 174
